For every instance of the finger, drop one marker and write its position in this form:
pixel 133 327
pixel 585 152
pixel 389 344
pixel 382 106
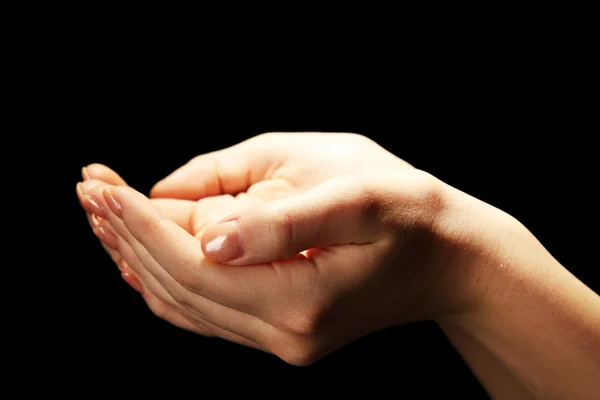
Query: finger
pixel 89 204
pixel 184 320
pixel 116 246
pixel 228 171
pixel 337 212
pixel 164 311
pixel 102 173
pixel 158 300
pixel 131 277
pixel 164 306
pixel 127 257
pixel 177 210
pixel 165 250
pixel 161 303
pixel 106 239
pixel 130 260
pixel 179 253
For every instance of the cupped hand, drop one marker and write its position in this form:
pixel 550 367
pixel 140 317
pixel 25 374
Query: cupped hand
pixel 310 241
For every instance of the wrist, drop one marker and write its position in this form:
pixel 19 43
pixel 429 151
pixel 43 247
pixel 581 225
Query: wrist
pixel 488 252
pixel 495 264
pixel 522 306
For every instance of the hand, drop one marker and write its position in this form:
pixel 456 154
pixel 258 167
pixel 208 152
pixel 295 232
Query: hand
pixel 331 238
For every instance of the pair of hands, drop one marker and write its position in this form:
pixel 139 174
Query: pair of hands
pixel 295 244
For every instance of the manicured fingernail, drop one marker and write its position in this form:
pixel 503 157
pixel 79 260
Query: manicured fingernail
pixel 122 265
pixel 221 243
pixel 84 174
pixel 133 281
pixel 112 203
pixel 107 235
pixel 96 220
pixel 92 206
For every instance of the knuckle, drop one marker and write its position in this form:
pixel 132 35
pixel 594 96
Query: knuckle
pixel 429 190
pixel 298 352
pixel 306 321
pixel 282 230
pixel 366 199
pixel 279 229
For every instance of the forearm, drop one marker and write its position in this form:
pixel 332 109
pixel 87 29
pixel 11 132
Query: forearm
pixel 546 331
pixel 499 382
pixel 535 317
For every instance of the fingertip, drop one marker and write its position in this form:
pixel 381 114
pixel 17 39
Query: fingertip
pixel 157 190
pixel 184 183
pixel 103 173
pixel 131 278
pixel 84 174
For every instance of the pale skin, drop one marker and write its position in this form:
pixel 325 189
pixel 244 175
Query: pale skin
pixel 297 244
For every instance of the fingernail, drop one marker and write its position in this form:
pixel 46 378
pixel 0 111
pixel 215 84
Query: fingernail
pixel 122 265
pixel 221 243
pixel 92 206
pixel 133 281
pixel 96 220
pixel 107 235
pixel 112 203
pixel 84 174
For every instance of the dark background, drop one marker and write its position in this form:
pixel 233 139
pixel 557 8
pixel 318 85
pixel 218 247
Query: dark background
pixel 507 122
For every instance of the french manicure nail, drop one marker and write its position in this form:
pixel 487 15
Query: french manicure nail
pixel 84 174
pixel 112 203
pixel 221 243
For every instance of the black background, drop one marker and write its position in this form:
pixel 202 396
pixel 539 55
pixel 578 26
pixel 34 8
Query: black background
pixel 507 125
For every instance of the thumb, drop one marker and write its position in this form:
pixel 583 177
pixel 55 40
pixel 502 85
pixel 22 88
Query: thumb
pixel 331 214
